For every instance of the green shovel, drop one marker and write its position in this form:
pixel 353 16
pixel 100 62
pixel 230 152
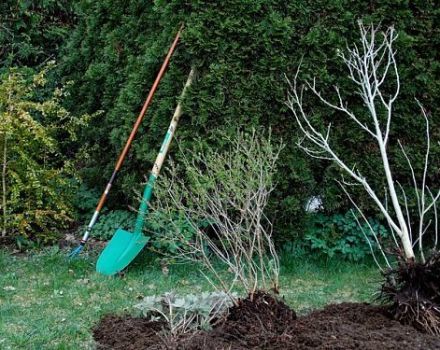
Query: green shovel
pixel 124 245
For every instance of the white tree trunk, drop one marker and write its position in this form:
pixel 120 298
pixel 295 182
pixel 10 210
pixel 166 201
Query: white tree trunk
pixel 369 67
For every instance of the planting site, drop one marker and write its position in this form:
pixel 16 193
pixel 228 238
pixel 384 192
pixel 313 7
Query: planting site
pixel 237 174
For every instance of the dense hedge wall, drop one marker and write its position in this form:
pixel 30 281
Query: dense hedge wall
pixel 31 32
pixel 241 50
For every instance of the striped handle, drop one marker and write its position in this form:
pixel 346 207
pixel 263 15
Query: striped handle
pixel 143 209
pixel 126 148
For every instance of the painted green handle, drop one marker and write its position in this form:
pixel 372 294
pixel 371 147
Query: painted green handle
pixel 148 191
pixel 143 209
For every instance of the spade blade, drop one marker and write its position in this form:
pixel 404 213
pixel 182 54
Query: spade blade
pixel 120 252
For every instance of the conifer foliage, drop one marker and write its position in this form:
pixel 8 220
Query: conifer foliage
pixel 32 32
pixel 242 49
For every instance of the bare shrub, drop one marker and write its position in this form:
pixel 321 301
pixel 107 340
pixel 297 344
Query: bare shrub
pixel 228 191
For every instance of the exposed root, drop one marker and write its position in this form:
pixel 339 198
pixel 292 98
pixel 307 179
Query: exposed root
pixel 413 290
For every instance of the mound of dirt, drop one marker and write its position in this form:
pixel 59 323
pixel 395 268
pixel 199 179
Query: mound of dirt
pixel 128 333
pixel 266 323
pixel 263 316
pixel 354 326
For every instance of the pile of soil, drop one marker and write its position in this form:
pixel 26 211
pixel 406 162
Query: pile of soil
pixel 115 332
pixel 267 323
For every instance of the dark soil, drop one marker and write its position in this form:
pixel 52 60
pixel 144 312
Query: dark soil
pixel 265 323
pixel 114 332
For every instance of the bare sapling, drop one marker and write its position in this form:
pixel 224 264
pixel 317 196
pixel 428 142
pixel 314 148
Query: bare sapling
pixel 372 66
pixel 227 193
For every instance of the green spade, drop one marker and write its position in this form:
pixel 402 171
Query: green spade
pixel 125 245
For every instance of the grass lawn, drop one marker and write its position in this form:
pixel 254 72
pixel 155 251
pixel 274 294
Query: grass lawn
pixel 49 302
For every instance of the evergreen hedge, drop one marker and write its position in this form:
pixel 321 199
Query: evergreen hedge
pixel 31 32
pixel 242 49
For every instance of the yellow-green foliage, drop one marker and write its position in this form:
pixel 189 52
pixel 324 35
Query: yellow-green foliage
pixel 34 183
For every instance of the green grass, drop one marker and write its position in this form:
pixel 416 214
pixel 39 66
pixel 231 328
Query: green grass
pixel 49 302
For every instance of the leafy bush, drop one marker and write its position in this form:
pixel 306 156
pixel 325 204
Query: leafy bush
pixel 109 222
pixel 85 201
pixel 340 235
pixel 36 180
pixel 163 235
pixel 170 233
pixel 185 312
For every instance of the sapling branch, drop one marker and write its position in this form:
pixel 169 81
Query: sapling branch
pixel 370 65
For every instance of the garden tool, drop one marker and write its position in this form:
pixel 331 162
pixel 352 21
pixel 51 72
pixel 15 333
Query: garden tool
pixel 125 245
pixel 124 152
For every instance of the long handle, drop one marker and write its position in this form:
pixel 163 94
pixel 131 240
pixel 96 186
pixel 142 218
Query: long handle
pixel 131 137
pixel 148 191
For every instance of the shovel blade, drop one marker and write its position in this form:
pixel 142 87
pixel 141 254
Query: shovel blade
pixel 120 252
